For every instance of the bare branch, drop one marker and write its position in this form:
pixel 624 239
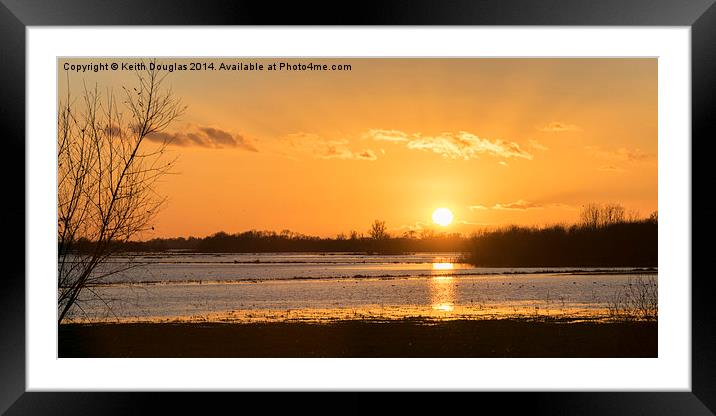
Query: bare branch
pixel 106 178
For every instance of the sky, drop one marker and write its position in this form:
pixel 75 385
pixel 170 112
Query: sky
pixel 496 141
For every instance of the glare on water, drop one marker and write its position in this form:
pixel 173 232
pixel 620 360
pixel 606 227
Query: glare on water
pixel 442 292
pixel 443 266
pixel 240 287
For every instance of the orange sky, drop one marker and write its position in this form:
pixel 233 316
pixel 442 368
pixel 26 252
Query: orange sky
pixel 497 141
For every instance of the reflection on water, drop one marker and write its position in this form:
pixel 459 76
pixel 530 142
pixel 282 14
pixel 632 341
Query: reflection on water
pixel 276 287
pixel 230 268
pixel 443 266
pixel 444 307
pixel 442 292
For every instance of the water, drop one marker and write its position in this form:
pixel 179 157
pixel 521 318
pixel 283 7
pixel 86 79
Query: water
pixel 300 286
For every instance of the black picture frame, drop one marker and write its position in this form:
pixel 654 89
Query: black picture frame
pixel 16 15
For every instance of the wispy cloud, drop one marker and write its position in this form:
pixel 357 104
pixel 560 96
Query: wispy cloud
pixel 367 154
pixel 202 136
pixel 472 223
pixel 621 154
pixel 460 145
pixel 519 205
pixel 417 226
pixel 390 135
pixel 426 228
pixel 537 145
pixel 328 148
pixel 559 127
pixel 610 168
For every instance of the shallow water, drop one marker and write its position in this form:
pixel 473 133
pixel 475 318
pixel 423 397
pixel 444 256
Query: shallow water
pixel 246 287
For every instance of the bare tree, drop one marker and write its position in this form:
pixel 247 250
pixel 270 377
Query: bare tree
pixel 410 234
pixel 107 171
pixel 632 215
pixel 637 299
pixel 427 233
pixel 378 230
pixel 597 215
pixel 590 215
pixel 612 214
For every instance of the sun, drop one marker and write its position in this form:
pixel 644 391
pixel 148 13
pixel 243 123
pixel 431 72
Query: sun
pixel 442 216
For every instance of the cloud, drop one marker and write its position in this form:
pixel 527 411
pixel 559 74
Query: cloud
pixel 520 205
pixel 221 137
pixel 113 130
pixel 460 145
pixel 561 205
pixel 465 222
pixel 328 148
pixel 389 135
pixel 367 154
pixel 559 127
pixel 621 154
pixel 610 168
pixel 537 145
pixel 202 136
pixel 502 162
pixel 417 226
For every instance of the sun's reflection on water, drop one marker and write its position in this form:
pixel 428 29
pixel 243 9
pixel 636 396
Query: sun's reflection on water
pixel 442 292
pixel 443 266
pixel 444 307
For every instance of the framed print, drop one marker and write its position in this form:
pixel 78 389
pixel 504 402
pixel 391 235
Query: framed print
pixel 240 198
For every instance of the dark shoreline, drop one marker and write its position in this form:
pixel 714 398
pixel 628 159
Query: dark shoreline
pixel 354 338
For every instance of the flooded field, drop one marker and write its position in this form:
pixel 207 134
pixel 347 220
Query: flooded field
pixel 286 286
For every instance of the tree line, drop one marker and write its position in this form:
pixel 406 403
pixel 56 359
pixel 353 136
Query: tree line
pixel 375 240
pixel 605 236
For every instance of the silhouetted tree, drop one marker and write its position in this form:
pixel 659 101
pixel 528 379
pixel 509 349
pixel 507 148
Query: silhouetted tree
pixel 590 215
pixel 106 176
pixel 410 234
pixel 603 238
pixel 287 241
pixel 427 233
pixel 654 216
pixel 612 214
pixel 595 215
pixel 378 230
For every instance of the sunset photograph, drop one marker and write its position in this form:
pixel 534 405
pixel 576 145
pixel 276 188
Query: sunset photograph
pixel 357 207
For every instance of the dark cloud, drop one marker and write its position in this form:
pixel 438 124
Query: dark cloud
pixel 367 154
pixel 201 136
pixel 559 127
pixel 610 168
pixel 621 154
pixel 113 130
